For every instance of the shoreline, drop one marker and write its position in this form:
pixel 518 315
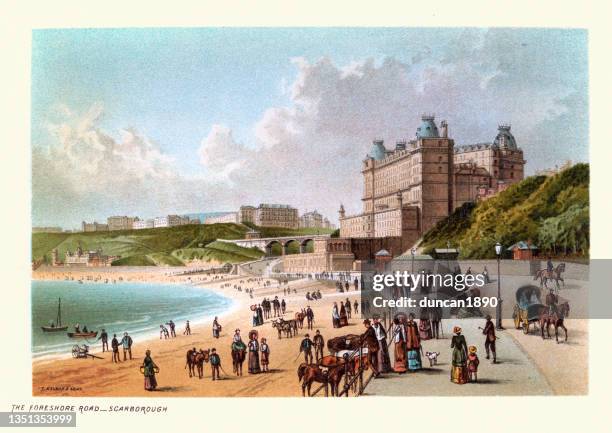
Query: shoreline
pixel 153 334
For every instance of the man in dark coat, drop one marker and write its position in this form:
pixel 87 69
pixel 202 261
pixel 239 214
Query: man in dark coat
pixel 489 332
pixel 306 347
pixel 115 347
pixel 319 344
pixel 309 317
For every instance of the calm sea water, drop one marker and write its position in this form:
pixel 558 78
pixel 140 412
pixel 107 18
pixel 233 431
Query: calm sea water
pixel 138 308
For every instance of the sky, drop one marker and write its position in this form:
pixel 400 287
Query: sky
pixel 149 122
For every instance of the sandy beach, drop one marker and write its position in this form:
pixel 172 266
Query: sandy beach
pixel 100 377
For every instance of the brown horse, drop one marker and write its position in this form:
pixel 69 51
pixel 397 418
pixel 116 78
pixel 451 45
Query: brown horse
pixel 200 358
pixel 309 373
pixel 555 319
pixel 543 275
pixel 238 357
pixel 299 318
pixel 190 361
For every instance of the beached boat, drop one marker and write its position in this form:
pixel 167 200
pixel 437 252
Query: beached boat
pixel 57 325
pixel 91 334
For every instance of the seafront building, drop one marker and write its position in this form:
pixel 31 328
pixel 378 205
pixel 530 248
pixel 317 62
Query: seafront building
pixel 81 258
pixel 408 189
pixel 411 187
pixel 229 217
pixel 270 215
pixel 121 222
pixel 93 227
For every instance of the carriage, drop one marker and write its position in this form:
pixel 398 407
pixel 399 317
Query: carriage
pixel 528 307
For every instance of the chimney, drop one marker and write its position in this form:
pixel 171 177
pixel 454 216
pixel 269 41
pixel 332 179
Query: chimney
pixel 444 126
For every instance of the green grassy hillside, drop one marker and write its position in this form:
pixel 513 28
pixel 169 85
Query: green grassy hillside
pixel 220 251
pixel 552 212
pixel 137 247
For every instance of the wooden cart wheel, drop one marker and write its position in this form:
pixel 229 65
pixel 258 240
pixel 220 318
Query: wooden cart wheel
pixel 75 351
pixel 526 328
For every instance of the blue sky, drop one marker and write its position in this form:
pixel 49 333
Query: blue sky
pixel 187 91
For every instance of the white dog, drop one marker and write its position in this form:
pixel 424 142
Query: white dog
pixel 433 358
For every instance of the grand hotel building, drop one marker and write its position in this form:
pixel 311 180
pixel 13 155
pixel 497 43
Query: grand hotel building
pixel 408 189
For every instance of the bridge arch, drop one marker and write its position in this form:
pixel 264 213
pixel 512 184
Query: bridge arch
pixel 270 244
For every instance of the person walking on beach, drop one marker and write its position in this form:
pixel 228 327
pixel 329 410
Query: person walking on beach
pixel 172 326
pixel 104 337
pixel 319 344
pixel 309 317
pixel 265 355
pixel 149 368
pixel 216 328
pixel 253 346
pixel 215 363
pixel 115 347
pixel 187 330
pixel 356 306
pixel 283 305
pixel 163 332
pixel 306 347
pixel 126 342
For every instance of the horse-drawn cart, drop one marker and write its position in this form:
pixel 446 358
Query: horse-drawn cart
pixel 528 307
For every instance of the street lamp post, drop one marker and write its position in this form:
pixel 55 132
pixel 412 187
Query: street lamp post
pixel 498 251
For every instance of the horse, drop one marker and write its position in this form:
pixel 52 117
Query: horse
pixel 200 358
pixel 286 326
pixel 238 357
pixel 191 361
pixel 544 275
pixel 299 318
pixel 555 319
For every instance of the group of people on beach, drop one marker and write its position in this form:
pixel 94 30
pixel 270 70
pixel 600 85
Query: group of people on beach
pixel 341 314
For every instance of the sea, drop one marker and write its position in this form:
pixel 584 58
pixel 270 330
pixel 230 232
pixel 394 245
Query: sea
pixel 136 308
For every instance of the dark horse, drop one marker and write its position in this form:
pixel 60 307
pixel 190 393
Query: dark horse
pixel 238 357
pixel 555 319
pixel 310 373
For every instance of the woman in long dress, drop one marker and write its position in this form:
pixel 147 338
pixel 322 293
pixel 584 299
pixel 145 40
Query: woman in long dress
pixel 413 345
pixel 424 325
pixel 343 316
pixel 335 316
pixel 459 371
pixel 254 367
pixel 149 368
pixel 399 338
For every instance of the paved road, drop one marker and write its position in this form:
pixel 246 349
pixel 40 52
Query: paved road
pixel 515 373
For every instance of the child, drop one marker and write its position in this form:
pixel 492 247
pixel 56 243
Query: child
pixel 215 362
pixel 473 364
pixel 265 355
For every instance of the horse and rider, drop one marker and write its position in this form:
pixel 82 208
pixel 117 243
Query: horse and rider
pixel 551 273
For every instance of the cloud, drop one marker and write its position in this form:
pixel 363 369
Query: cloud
pixel 308 152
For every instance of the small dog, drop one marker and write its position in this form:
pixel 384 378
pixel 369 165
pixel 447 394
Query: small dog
pixel 433 358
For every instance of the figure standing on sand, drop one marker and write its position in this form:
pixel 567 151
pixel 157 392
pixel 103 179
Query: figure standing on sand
pixel 126 342
pixel 335 316
pixel 309 317
pixel 265 355
pixel 172 326
pixel 216 328
pixel 306 347
pixel 253 346
pixel 104 337
pixel 187 330
pixel 149 368
pixel 319 344
pixel 115 347
pixel 215 363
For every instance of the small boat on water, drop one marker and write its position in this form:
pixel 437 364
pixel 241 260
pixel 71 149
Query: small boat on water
pixel 57 325
pixel 91 334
